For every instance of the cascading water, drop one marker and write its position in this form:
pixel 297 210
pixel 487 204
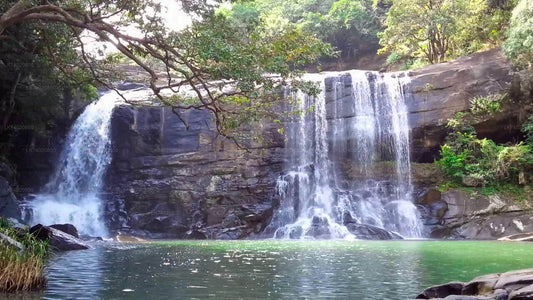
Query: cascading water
pixel 72 194
pixel 361 132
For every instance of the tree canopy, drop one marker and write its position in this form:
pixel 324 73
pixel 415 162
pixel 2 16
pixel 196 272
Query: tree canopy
pixel 434 30
pixel 519 45
pixel 223 63
pixel 348 25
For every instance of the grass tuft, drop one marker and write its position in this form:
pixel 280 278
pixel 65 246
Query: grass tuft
pixel 21 270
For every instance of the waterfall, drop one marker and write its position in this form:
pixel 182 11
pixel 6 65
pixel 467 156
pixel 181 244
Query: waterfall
pixel 72 194
pixel 353 134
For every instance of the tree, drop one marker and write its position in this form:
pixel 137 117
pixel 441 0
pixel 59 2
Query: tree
pixel 348 25
pixel 428 28
pixel 223 64
pixel 519 45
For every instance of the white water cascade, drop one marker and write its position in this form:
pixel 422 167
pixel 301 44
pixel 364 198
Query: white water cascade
pixel 72 194
pixel 332 182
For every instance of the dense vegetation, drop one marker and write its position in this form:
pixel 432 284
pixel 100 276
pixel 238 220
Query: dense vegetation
pixel 21 269
pixel 519 45
pixel 470 161
pixel 351 26
pixel 44 61
pixel 411 32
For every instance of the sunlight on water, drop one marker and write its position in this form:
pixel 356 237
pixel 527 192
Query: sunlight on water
pixel 275 269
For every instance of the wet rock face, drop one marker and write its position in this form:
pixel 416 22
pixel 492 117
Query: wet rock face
pixel 178 183
pixel 457 214
pixel 512 285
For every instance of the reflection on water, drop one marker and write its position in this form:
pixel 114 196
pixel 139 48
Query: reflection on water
pixel 274 269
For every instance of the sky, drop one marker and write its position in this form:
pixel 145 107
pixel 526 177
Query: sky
pixel 175 18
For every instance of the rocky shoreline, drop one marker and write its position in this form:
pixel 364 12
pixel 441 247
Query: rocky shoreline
pixel 513 285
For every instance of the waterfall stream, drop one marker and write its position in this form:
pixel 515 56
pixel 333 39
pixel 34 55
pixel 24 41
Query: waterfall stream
pixel 350 135
pixel 72 194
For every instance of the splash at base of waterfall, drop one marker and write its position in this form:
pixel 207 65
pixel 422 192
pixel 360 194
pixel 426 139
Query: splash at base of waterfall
pixel 72 193
pixel 85 214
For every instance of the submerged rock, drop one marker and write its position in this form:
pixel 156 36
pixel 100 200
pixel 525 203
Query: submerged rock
pixel 57 239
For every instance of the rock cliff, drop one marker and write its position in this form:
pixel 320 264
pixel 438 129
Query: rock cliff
pixel 169 182
pixel 175 180
pixel 190 183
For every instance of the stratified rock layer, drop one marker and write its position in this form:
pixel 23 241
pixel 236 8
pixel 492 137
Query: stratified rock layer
pixel 173 179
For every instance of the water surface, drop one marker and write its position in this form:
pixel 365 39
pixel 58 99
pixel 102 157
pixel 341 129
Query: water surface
pixel 275 269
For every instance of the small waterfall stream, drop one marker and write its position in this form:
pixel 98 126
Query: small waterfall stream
pixel 368 131
pixel 72 194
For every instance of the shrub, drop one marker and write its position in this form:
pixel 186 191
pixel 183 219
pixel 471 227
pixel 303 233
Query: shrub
pixel 527 129
pixel 394 58
pixel 482 160
pixel 453 164
pixel 481 107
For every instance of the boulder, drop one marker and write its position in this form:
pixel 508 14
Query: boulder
pixel 125 238
pixel 67 228
pixel 57 239
pixel 196 234
pixel 369 232
pixel 522 294
pixel 481 285
pixel 441 291
pixel 164 219
pixel 319 228
pixel 464 215
pixel 428 197
pixel 513 285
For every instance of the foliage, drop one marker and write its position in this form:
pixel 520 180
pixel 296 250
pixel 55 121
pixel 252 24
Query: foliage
pixel 481 160
pixel 485 106
pixel 21 270
pixel 453 163
pixel 434 30
pixel 394 58
pixel 527 129
pixel 519 45
pixel 215 48
pixel 349 25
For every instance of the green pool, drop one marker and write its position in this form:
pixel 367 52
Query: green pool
pixel 270 269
